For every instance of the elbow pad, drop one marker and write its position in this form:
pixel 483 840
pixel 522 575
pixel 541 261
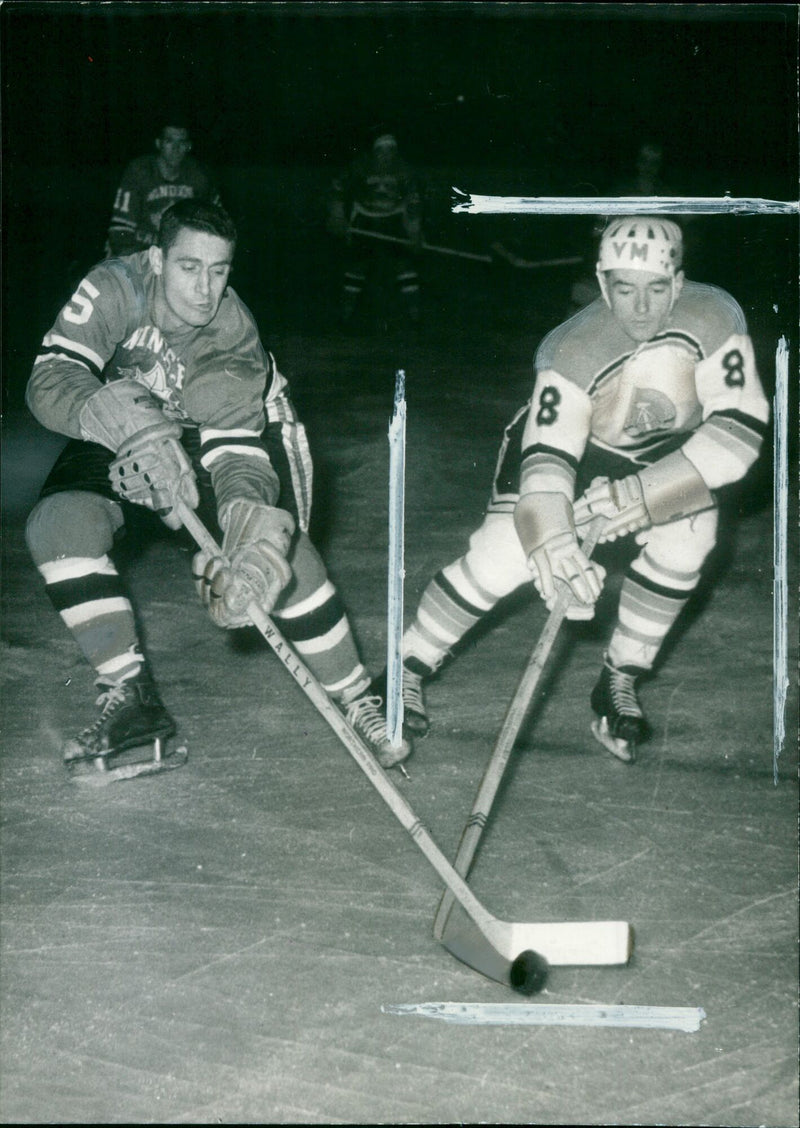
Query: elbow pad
pixel 673 488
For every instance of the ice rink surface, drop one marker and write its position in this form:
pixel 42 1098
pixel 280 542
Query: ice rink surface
pixel 216 945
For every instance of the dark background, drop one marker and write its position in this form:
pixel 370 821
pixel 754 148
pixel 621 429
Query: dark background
pixel 567 88
pixel 543 99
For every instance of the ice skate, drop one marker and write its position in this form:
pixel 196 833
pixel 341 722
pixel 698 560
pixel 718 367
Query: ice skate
pixel 415 716
pixel 367 716
pixel 620 725
pixel 132 718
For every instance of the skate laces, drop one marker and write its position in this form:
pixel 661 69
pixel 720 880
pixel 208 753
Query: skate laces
pixel 623 692
pixel 112 696
pixel 412 692
pixel 364 714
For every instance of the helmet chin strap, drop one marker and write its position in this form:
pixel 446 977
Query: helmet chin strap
pixel 673 292
pixel 601 279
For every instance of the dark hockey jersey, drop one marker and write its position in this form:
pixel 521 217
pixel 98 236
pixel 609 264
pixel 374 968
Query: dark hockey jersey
pixel 217 378
pixel 144 194
pixel 378 189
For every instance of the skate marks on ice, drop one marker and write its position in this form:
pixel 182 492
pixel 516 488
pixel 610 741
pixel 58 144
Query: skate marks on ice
pixel 686 1019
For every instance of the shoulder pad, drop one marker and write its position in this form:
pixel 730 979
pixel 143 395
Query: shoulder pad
pixel 125 271
pixel 233 316
pixel 709 314
pixel 583 345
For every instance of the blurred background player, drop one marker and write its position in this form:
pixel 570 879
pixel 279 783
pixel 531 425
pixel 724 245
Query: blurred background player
pixel 150 184
pixel 378 194
pixel 647 178
pixel 644 177
pixel 650 396
pixel 155 371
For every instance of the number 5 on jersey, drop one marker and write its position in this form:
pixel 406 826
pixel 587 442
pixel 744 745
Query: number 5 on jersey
pixel 80 306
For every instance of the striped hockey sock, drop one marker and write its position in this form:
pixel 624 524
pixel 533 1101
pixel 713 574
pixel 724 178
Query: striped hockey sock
pixel 88 594
pixel 651 599
pixel 318 629
pixel 450 606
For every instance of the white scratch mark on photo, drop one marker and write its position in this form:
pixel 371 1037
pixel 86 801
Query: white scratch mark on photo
pixel 780 676
pixel 685 1019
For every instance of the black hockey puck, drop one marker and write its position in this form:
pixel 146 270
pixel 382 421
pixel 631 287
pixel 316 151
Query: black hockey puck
pixel 528 973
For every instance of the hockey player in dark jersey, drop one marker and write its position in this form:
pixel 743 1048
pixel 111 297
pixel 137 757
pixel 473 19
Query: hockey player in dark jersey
pixel 155 371
pixel 379 196
pixel 644 403
pixel 150 184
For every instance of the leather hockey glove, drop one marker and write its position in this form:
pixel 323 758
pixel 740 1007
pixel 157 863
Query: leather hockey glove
pixel 253 567
pixel 151 467
pixel 544 525
pixel 666 491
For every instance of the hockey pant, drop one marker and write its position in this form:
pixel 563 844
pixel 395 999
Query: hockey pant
pixel 371 261
pixel 656 587
pixel 71 535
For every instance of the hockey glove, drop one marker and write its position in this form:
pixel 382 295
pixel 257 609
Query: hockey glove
pixel 544 525
pixel 253 567
pixel 151 467
pixel 666 491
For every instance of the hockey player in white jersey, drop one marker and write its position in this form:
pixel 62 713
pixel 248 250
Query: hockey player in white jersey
pixel 644 404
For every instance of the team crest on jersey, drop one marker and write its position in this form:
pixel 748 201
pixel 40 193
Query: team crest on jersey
pixel 650 411
pixel 155 380
pixel 148 359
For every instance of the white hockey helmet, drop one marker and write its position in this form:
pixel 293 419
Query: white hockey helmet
pixel 384 142
pixel 639 243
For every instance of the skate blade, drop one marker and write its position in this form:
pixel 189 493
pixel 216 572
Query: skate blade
pixel 388 763
pixel 103 770
pixel 394 758
pixel 622 749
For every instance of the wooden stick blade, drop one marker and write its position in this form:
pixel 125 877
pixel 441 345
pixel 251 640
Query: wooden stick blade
pixel 466 942
pixel 587 943
pixel 562 943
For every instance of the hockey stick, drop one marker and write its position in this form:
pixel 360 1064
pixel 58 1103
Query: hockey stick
pixel 424 246
pixel 495 954
pixel 514 260
pixel 609 941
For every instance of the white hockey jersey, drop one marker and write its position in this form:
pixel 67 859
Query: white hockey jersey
pixel 696 380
